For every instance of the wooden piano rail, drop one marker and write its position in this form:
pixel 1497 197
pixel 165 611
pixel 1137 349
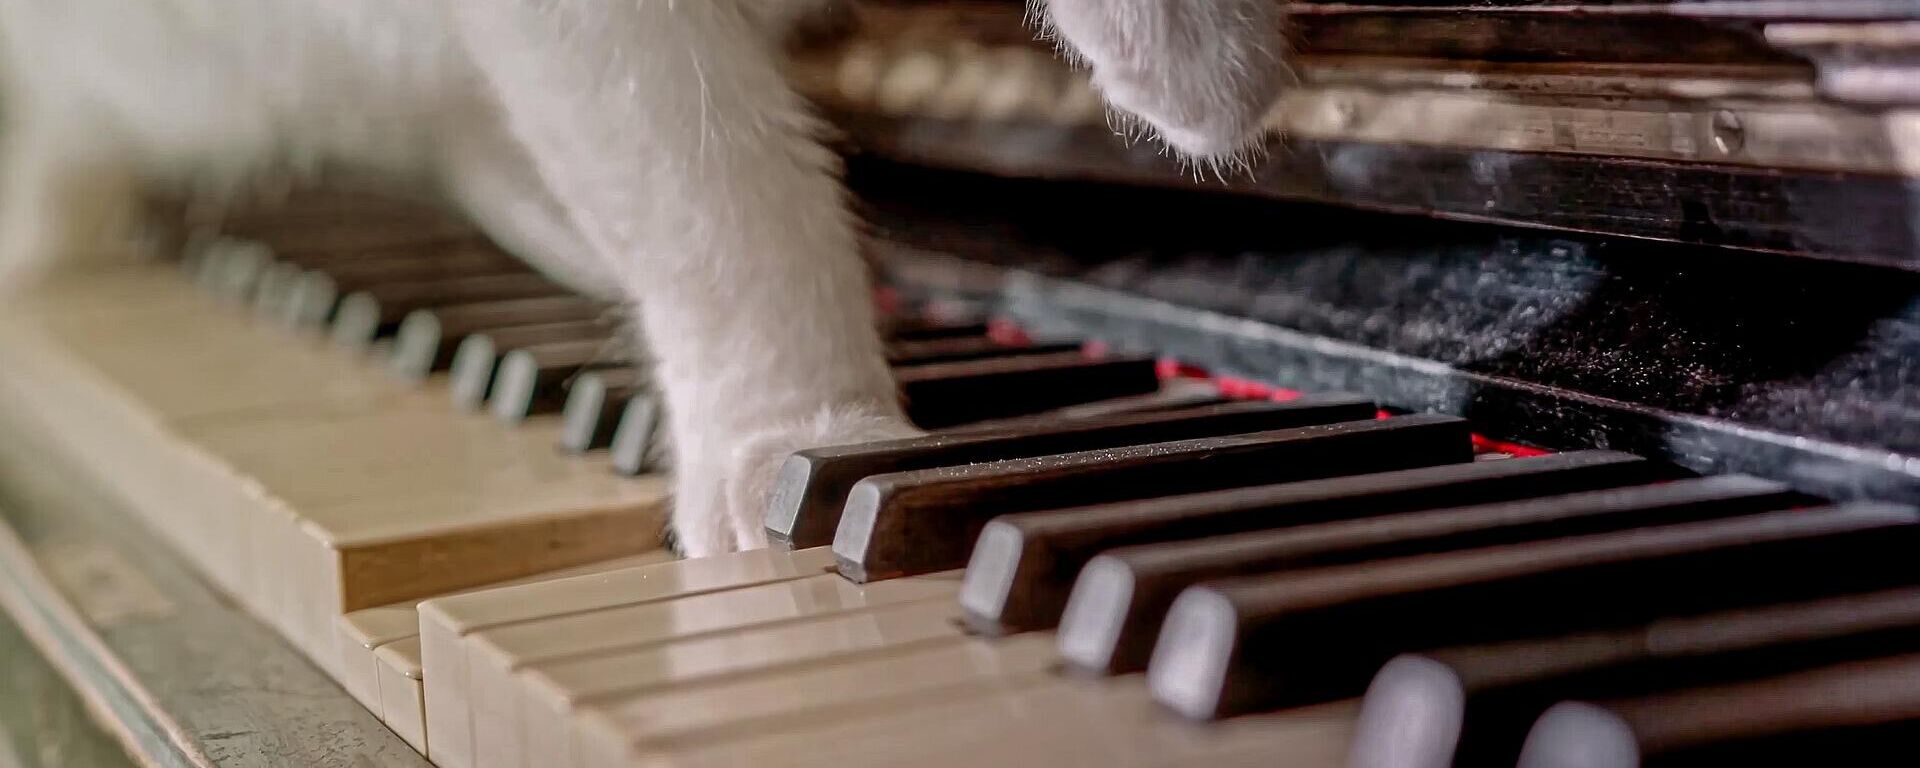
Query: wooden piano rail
pixel 1649 132
pixel 177 674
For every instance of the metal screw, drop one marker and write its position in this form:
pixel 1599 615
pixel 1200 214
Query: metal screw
pixel 1728 135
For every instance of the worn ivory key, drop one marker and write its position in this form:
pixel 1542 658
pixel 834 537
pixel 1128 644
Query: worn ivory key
pixel 446 621
pixel 495 656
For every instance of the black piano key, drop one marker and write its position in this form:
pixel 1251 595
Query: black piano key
pixel 427 338
pixel 921 329
pixel 1854 713
pixel 204 261
pixel 958 348
pixel 595 403
pixel 532 378
pixel 328 283
pixel 638 447
pixel 1117 604
pixel 377 310
pixel 946 394
pixel 238 270
pixel 317 292
pixel 357 241
pixel 338 249
pixel 1234 646
pixel 1024 565
pixel 194 253
pixel 329 275
pixel 1475 704
pixel 274 289
pixel 813 484
pixel 310 301
pixel 475 369
pixel 1173 394
pixel 906 523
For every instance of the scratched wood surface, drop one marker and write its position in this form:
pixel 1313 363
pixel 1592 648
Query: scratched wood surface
pixel 181 676
pixel 43 722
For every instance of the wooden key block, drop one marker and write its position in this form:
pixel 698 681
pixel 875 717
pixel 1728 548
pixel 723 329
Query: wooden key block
pixel 393 506
pixel 114 388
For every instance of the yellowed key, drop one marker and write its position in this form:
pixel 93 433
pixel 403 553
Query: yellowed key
pixel 493 656
pixel 183 355
pixel 613 732
pixel 304 481
pixel 402 701
pixel 554 691
pixel 114 388
pixel 361 633
pixel 444 622
pixel 1028 721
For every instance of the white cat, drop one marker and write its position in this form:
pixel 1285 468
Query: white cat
pixel 648 151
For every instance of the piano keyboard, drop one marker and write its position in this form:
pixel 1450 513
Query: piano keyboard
pixel 442 485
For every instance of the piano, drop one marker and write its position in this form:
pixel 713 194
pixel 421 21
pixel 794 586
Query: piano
pixel 1545 397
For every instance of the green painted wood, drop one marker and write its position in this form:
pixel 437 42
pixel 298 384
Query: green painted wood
pixel 181 675
pixel 43 722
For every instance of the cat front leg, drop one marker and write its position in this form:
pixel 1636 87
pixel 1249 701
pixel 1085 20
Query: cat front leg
pixel 1202 74
pixel 488 174
pixel 668 134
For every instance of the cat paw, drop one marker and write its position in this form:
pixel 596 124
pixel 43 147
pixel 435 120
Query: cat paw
pixel 720 503
pixel 1202 74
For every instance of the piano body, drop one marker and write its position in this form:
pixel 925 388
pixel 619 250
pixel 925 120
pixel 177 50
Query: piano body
pixel 1545 396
